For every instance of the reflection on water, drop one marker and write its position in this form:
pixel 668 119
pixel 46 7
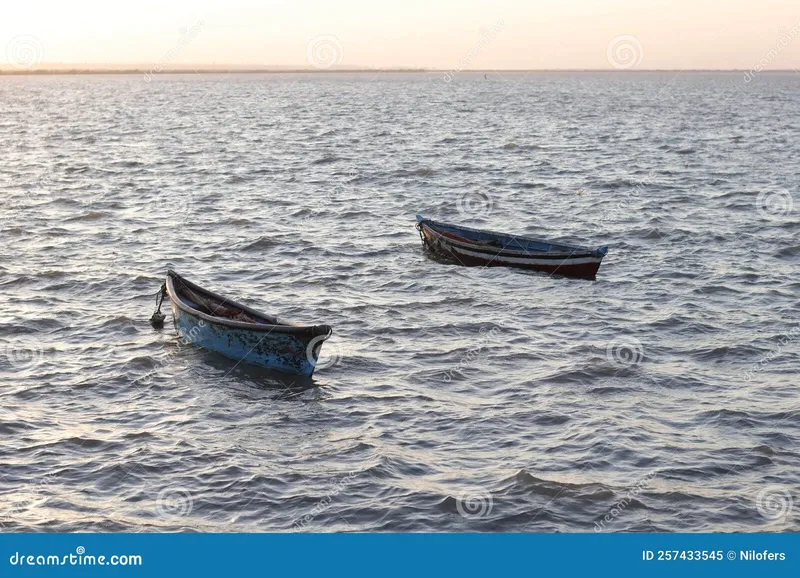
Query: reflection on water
pixel 448 398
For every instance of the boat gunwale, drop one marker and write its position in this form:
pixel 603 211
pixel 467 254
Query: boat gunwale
pixel 595 252
pixel 577 253
pixel 280 326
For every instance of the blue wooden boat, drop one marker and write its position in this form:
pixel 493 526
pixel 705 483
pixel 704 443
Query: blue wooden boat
pixel 475 247
pixel 213 322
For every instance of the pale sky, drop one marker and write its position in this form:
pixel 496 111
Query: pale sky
pixel 442 34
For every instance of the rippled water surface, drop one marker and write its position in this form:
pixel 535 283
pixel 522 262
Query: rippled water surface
pixel 661 397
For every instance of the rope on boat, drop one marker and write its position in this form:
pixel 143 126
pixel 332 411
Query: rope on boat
pixel 157 319
pixel 422 236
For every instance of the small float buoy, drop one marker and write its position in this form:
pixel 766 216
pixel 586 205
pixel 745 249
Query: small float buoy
pixel 157 319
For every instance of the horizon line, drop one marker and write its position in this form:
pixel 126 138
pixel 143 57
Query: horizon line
pixel 85 69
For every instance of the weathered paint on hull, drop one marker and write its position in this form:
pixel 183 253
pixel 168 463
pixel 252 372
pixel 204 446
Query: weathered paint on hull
pixel 583 268
pixel 280 351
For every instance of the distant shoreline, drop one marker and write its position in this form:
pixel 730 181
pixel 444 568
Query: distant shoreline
pixel 78 71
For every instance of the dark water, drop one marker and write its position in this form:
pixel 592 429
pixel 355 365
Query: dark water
pixel 662 397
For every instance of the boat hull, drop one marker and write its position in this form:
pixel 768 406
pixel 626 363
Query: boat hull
pixel 292 350
pixel 576 263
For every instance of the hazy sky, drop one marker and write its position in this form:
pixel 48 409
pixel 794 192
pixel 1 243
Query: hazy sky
pixel 445 34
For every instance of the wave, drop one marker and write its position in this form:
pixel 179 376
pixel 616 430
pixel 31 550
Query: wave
pixel 326 160
pixel 89 216
pixel 260 244
pixel 421 172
